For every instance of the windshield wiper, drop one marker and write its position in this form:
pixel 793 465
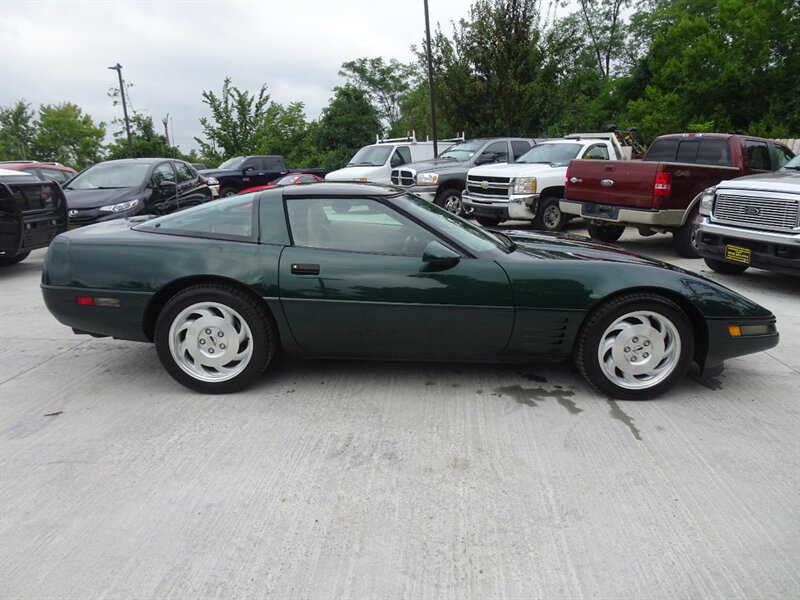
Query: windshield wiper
pixel 510 244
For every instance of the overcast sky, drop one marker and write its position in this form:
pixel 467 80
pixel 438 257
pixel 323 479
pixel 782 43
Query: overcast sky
pixel 59 51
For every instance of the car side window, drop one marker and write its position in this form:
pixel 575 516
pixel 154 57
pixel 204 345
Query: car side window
pixel 757 155
pixel 784 154
pixel 253 162
pixel 185 172
pixel 227 219
pixel 519 148
pixel 272 163
pixel 163 173
pixel 596 152
pixel 405 154
pixel 498 151
pixel 354 225
pixel 306 179
pixel 55 175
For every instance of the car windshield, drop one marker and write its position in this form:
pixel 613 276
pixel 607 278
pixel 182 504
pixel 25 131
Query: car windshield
pixel 286 180
pixel 110 175
pixel 370 156
pixel 463 151
pixel 558 155
pixel 233 163
pixel 793 165
pixel 460 230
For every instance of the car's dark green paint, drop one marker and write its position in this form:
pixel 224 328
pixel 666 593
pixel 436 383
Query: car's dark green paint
pixel 522 305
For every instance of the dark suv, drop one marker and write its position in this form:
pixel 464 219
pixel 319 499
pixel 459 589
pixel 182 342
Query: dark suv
pixel 441 180
pixel 117 189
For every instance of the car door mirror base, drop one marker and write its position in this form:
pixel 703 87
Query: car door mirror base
pixel 438 257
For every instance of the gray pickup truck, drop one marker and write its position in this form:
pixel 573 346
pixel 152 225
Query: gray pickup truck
pixel 442 180
pixel 32 213
pixel 753 221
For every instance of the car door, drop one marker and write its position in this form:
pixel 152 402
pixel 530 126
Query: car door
pixel 163 181
pixel 190 186
pixel 354 284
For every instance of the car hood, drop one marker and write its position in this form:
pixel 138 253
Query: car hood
pixel 356 174
pixel 96 198
pixel 220 172
pixel 438 165
pixel 777 181
pixel 512 169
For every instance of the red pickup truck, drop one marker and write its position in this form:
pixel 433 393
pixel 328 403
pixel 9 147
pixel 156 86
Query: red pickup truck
pixel 661 192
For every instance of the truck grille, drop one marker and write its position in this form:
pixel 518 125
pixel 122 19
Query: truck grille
pixel 404 177
pixel 779 214
pixel 489 187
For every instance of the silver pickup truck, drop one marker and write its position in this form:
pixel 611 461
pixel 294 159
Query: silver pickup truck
pixel 753 221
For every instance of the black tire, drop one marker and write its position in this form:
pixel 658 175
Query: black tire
pixel 661 345
pixel 6 260
pixel 450 200
pixel 487 222
pixel 228 191
pixel 605 233
pixel 228 314
pixel 684 238
pixel 549 216
pixel 726 268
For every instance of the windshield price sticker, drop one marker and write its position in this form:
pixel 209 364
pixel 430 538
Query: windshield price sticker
pixel 738 254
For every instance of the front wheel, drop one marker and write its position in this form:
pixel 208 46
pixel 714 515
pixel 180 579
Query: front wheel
pixel 726 268
pixel 214 339
pixel 605 233
pixel 635 347
pixel 6 260
pixel 549 216
pixel 487 222
pixel 450 200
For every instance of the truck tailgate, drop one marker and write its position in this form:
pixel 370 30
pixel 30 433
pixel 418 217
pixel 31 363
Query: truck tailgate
pixel 31 215
pixel 617 183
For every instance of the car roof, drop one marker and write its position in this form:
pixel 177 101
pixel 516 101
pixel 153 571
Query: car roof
pixel 18 166
pixel 18 174
pixel 344 188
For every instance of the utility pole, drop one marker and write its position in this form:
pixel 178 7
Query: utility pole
pixel 118 69
pixel 430 80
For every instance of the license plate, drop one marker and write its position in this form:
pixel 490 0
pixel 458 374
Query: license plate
pixel 737 254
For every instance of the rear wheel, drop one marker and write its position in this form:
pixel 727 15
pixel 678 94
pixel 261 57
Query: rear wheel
pixel 214 339
pixel 487 222
pixel 227 191
pixel 684 238
pixel 6 260
pixel 450 200
pixel 726 268
pixel 549 216
pixel 635 347
pixel 605 233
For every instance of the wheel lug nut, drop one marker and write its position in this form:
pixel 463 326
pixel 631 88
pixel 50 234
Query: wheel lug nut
pixel 635 340
pixel 647 343
pixel 633 359
pixel 208 331
pixel 627 348
pixel 221 334
pixel 222 347
pixel 202 342
pixel 646 355
pixel 211 351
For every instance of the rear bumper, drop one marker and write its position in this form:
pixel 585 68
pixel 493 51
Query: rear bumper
pixel 768 250
pixel 618 214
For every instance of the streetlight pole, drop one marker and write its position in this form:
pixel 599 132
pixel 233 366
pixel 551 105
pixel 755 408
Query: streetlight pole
pixel 118 69
pixel 430 79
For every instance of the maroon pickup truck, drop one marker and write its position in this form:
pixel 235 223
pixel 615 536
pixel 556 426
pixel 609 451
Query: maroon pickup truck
pixel 661 192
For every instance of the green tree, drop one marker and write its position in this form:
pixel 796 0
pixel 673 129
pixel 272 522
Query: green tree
pixel 236 123
pixel 285 131
pixel 347 123
pixel 144 140
pixel 66 135
pixel 385 84
pixel 17 131
pixel 605 31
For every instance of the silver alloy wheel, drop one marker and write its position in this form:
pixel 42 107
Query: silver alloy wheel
pixel 452 203
pixel 210 342
pixel 551 217
pixel 639 350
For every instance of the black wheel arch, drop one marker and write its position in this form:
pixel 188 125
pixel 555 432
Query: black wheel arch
pixel 696 319
pixel 554 191
pixel 163 295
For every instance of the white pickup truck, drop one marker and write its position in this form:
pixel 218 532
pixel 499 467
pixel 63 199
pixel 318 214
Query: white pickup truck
pixel 530 188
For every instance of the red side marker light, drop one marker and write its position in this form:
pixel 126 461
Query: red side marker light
pixel 84 300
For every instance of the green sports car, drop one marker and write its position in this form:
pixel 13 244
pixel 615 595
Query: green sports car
pixel 339 270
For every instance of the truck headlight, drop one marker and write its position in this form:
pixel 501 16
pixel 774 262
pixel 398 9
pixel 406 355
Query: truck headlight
pixel 707 201
pixel 427 179
pixel 120 207
pixel 525 185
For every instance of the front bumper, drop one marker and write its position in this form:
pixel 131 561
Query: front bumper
pixel 609 213
pixel 426 192
pixel 518 208
pixel 722 346
pixel 773 251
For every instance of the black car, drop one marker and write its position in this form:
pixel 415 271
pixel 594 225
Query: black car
pixel 118 189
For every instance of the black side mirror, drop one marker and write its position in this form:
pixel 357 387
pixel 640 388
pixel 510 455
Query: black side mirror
pixel 248 168
pixel 168 187
pixel 438 257
pixel 396 161
pixel 486 158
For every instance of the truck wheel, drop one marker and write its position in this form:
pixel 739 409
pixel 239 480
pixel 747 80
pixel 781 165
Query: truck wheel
pixel 450 200
pixel 487 222
pixel 605 233
pixel 549 216
pixel 635 347
pixel 7 260
pixel 227 191
pixel 726 268
pixel 684 238
pixel 214 339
